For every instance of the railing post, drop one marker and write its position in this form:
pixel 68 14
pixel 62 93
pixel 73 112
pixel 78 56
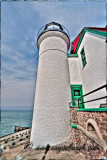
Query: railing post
pixel 78 103
pixel 69 104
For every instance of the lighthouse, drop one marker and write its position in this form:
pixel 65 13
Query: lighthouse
pixel 50 124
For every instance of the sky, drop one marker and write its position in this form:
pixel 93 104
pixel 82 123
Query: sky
pixel 20 23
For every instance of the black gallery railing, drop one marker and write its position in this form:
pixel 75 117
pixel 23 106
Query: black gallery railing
pixel 53 26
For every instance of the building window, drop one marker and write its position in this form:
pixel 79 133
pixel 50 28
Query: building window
pixel 76 92
pixel 83 57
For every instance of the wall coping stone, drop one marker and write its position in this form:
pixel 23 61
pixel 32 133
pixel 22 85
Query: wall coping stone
pixel 93 109
pixel 72 55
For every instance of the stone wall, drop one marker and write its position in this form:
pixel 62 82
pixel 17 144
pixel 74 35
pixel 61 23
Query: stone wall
pixel 10 141
pixel 86 146
pixel 83 142
pixel 99 117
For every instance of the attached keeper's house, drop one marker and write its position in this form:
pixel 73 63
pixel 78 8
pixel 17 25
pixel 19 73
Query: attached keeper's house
pixel 87 67
pixel 88 82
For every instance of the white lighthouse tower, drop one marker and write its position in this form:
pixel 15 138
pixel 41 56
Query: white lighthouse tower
pixel 51 108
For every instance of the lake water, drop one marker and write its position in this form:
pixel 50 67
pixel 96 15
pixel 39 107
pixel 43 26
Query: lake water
pixel 10 119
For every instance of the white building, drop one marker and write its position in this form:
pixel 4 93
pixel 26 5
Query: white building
pixel 64 77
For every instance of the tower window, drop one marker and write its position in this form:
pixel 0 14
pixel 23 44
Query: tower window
pixel 83 57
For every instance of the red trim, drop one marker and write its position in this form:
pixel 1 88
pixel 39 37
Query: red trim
pixel 75 42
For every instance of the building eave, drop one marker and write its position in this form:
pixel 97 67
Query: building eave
pixel 78 40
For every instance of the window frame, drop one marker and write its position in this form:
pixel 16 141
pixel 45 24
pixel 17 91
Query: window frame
pixel 77 87
pixel 83 57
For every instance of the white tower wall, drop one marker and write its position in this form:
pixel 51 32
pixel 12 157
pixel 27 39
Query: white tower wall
pixel 51 108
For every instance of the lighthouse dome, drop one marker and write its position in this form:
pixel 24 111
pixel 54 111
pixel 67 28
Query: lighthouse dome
pixel 53 29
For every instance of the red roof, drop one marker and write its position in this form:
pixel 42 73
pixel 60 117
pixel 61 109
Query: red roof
pixel 76 40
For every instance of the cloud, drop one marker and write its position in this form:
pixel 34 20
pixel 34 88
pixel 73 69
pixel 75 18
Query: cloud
pixel 16 93
pixel 19 55
pixel 73 15
pixel 17 63
pixel 18 77
pixel 20 24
